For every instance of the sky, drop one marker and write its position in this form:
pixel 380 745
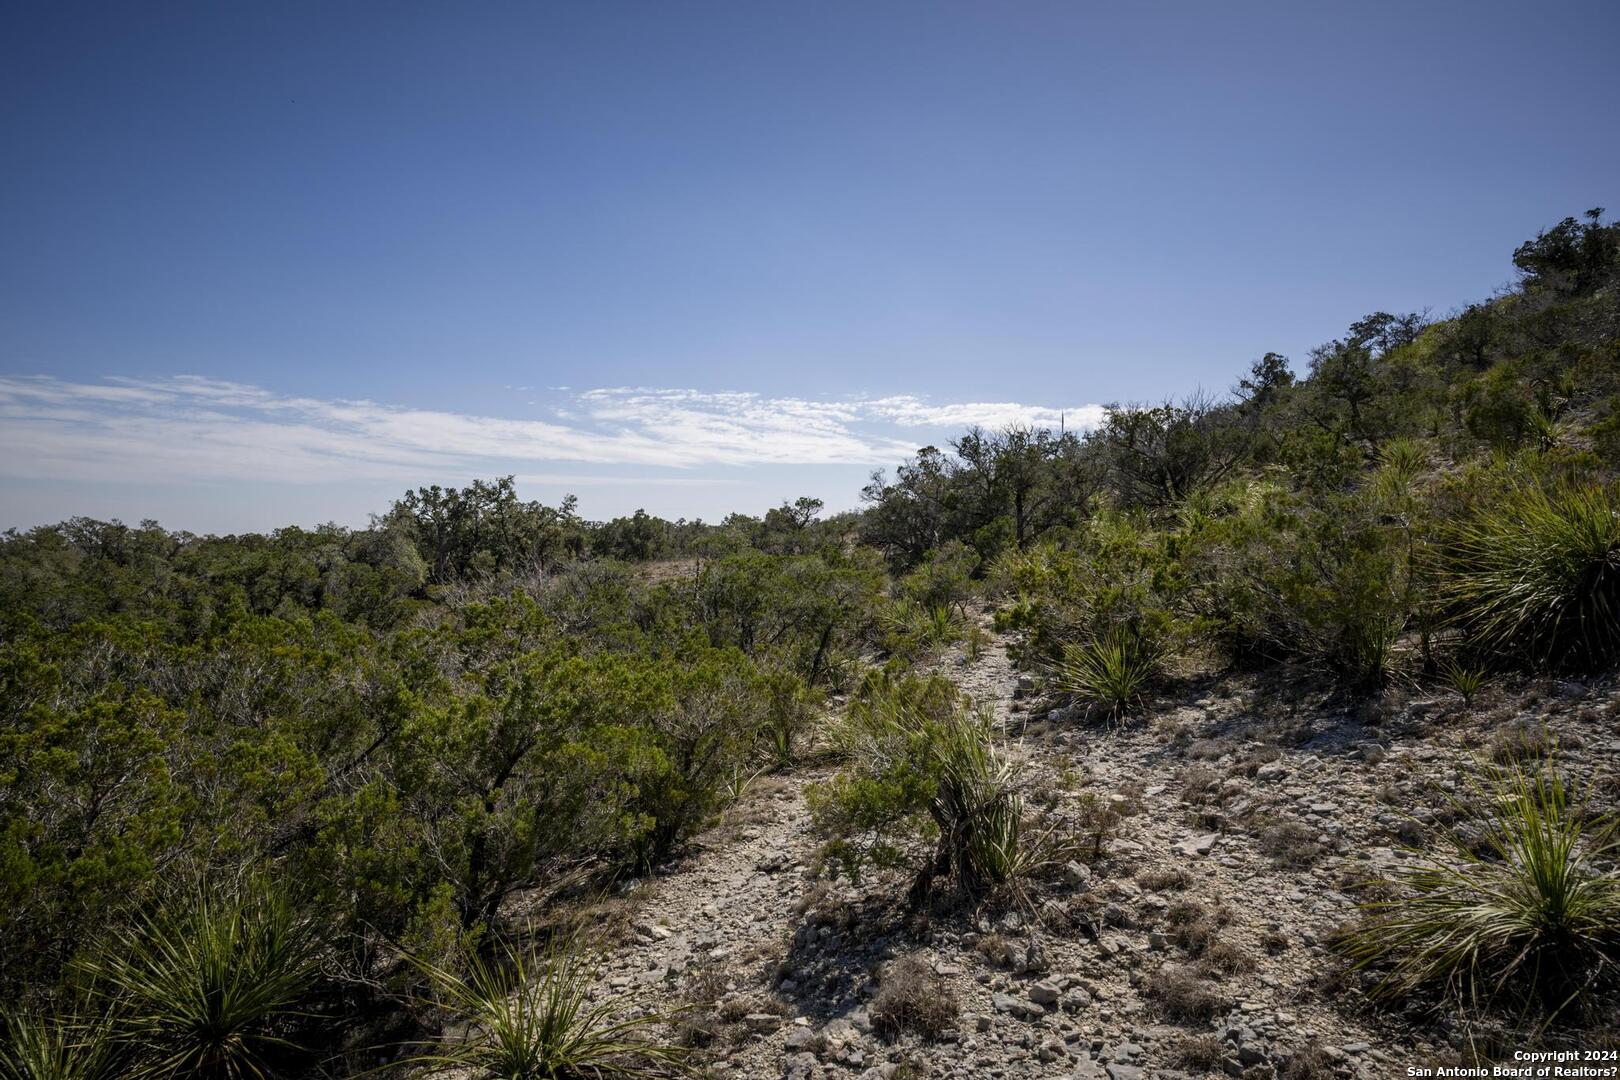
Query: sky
pixel 277 264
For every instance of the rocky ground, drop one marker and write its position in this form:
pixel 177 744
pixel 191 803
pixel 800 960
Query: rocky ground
pixel 1220 841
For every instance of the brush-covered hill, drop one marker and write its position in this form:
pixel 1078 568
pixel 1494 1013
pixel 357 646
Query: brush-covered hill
pixel 1264 734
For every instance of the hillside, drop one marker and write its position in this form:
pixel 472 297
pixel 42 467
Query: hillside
pixel 1197 939
pixel 1269 734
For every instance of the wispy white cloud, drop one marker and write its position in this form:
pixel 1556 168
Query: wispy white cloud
pixel 191 428
pixel 914 412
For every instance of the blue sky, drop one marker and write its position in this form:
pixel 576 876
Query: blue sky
pixel 275 265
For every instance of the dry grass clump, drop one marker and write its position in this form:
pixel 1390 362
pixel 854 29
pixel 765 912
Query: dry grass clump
pixel 993 947
pixel 1520 741
pixel 1001 950
pixel 912 998
pixel 1097 820
pixel 1208 749
pixel 1171 879
pixel 733 1009
pixel 1199 1053
pixel 1188 913
pixel 1227 957
pixel 1309 1062
pixel 1291 843
pixel 698 1022
pixel 1200 784
pixel 1201 932
pixel 913 1068
pixel 815 898
pixel 1251 762
pixel 1182 995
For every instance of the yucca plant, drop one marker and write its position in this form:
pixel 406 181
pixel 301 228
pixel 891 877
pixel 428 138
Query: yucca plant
pixel 42 1046
pixel 937 626
pixel 207 986
pixel 1543 428
pixel 791 715
pixel 977 807
pixel 974 643
pixel 1365 656
pixel 1531 910
pixel 1401 460
pixel 1111 671
pixel 923 768
pixel 1537 576
pixel 922 628
pixel 735 785
pixel 1466 681
pixel 537 1022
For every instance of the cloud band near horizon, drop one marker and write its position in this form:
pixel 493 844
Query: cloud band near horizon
pixel 198 429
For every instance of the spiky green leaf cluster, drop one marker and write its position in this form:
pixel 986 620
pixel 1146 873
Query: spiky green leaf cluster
pixel 1530 911
pixel 1537 574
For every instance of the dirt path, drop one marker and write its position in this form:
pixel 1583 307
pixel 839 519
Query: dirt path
pixel 732 894
pixel 1196 942
pixel 729 918
pixel 729 902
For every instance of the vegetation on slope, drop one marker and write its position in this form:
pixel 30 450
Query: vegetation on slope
pixel 477 697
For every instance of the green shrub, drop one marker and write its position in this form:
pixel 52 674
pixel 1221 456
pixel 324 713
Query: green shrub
pixel 792 711
pixel 923 790
pixel 1329 582
pixel 1111 672
pixel 975 641
pixel 702 723
pixel 540 1023
pixel 1497 408
pixel 207 986
pixel 1121 577
pixel 1532 910
pixel 943 579
pixel 1535 576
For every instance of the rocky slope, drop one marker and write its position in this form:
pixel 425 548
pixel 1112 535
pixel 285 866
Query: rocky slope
pixel 1221 840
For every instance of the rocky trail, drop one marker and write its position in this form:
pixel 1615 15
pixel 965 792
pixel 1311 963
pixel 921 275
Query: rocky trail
pixel 1236 824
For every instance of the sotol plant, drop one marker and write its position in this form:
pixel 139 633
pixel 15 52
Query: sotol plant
pixel 538 1022
pixel 206 986
pixel 40 1046
pixel 1538 575
pixel 1532 912
pixel 925 789
pixel 1112 671
pixel 1466 681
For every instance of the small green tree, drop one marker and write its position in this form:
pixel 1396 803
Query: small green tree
pixel 924 791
